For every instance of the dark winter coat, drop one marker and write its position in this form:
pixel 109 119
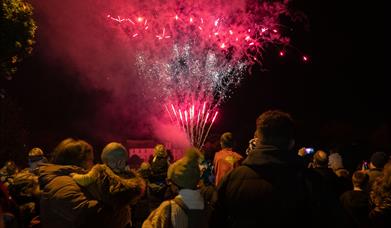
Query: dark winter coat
pixel 63 203
pixel 117 192
pixel 268 190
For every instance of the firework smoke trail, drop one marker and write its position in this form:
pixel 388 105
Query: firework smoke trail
pixel 210 126
pixel 196 52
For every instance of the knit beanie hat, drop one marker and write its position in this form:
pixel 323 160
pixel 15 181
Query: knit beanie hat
pixel 185 172
pixel 379 159
pixel 113 151
pixel 35 152
pixel 36 157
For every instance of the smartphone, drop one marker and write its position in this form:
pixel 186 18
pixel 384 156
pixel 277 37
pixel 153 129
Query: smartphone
pixel 365 165
pixel 309 150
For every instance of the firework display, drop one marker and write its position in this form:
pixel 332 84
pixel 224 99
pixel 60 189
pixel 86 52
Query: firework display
pixel 194 53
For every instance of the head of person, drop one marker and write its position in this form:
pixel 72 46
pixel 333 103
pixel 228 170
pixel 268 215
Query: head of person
pixel 35 158
pixel 276 128
pixel 115 156
pixel 10 167
pixel 185 173
pixel 335 161
pixel 360 179
pixel 160 151
pixel 381 188
pixel 226 140
pixel 321 159
pixel 387 176
pixel 378 160
pixel 73 152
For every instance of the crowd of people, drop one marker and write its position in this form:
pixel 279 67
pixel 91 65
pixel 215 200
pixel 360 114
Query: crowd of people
pixel 268 185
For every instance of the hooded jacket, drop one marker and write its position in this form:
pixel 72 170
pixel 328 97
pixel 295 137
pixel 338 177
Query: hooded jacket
pixel 63 202
pixel 268 190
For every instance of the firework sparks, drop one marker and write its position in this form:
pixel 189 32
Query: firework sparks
pixel 197 53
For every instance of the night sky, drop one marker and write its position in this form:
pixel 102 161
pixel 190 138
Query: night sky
pixel 340 97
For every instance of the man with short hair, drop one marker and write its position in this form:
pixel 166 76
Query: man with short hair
pixel 356 202
pixel 226 159
pixel 376 165
pixel 268 190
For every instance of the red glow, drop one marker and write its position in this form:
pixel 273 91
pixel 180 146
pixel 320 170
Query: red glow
pixel 214 25
pixel 197 129
pixel 282 53
pixel 305 58
pixel 180 114
pixel 214 117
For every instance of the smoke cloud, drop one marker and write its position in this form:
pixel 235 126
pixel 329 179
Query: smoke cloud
pixel 89 37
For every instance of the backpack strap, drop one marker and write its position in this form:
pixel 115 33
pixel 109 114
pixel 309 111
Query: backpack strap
pixel 181 204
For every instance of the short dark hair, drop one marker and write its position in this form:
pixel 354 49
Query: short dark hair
pixel 360 179
pixel 275 127
pixel 71 152
pixel 226 140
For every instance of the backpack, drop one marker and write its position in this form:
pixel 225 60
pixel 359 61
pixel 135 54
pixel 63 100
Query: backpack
pixel 195 218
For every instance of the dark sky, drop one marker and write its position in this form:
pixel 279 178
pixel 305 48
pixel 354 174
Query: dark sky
pixel 340 96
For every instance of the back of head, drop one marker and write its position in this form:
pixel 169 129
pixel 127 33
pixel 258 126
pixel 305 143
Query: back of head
pixel 160 151
pixel 275 128
pixel 360 179
pixel 226 140
pixel 335 161
pixel 113 151
pixel 379 159
pixel 35 152
pixel 10 167
pixel 36 157
pixel 185 172
pixel 387 176
pixel 72 152
pixel 320 159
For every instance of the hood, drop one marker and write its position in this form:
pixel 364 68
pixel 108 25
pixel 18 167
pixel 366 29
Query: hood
pixel 271 155
pixel 47 172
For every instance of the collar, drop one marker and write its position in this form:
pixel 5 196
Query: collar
pixel 191 198
pixel 269 154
